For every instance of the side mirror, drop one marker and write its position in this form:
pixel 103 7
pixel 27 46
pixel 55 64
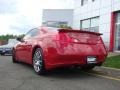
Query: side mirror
pixel 20 39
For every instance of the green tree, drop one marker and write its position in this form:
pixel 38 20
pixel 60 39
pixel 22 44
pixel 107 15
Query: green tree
pixel 64 26
pixel 8 36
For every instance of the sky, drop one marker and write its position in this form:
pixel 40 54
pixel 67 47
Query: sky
pixel 19 16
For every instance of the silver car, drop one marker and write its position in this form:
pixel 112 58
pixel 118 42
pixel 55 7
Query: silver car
pixel 7 49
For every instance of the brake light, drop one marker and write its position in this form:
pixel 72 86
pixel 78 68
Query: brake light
pixel 64 38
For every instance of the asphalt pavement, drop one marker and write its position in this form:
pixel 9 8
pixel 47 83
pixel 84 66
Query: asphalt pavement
pixel 22 77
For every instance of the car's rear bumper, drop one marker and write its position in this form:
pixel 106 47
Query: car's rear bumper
pixel 69 60
pixel 67 54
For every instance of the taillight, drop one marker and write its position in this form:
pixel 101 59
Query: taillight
pixel 63 37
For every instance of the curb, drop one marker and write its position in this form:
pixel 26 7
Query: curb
pixel 111 68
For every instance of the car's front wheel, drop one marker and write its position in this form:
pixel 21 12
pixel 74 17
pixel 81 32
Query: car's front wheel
pixel 38 62
pixel 2 54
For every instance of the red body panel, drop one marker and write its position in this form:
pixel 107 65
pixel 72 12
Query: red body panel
pixel 58 53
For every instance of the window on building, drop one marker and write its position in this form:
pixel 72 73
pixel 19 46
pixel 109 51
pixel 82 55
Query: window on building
pixel 55 23
pixel 83 2
pixel 117 32
pixel 94 24
pixel 85 24
pixel 118 18
pixel 91 24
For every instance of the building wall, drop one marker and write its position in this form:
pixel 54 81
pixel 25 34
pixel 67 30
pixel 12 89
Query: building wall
pixel 101 8
pixel 61 15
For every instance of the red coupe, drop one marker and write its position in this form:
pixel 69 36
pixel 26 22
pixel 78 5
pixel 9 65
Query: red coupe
pixel 46 48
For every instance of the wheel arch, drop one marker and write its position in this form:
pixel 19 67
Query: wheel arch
pixel 35 47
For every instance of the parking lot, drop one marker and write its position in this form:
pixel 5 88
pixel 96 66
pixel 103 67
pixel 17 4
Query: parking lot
pixel 22 77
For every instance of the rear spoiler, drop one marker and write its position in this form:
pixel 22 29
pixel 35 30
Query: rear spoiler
pixel 79 31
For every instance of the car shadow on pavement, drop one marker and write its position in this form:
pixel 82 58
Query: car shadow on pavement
pixel 59 73
pixel 67 73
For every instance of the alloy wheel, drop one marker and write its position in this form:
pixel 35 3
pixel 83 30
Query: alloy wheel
pixel 38 61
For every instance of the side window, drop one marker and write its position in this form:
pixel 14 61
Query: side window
pixel 27 36
pixel 31 33
pixel 34 32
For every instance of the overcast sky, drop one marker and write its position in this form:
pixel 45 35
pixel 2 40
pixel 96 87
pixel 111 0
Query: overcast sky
pixel 18 16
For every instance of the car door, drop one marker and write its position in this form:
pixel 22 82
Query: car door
pixel 21 47
pixel 19 51
pixel 28 45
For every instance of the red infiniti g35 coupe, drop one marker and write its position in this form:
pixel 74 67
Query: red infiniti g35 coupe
pixel 46 48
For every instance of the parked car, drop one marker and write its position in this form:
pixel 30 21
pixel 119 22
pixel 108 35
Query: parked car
pixel 46 48
pixel 7 49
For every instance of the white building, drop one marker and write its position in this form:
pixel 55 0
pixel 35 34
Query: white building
pixel 100 16
pixel 57 17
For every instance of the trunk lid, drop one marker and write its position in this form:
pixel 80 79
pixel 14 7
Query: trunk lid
pixel 78 36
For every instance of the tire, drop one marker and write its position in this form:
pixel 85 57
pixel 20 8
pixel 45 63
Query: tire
pixel 14 57
pixel 87 68
pixel 38 62
pixel 2 54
